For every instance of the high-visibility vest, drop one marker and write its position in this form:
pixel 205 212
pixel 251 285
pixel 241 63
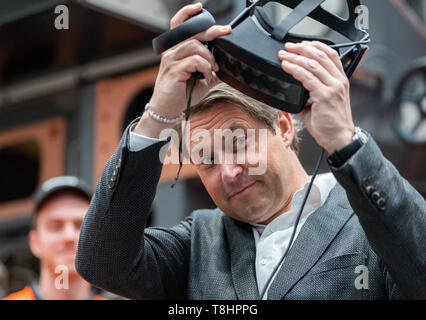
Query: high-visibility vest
pixel 28 294
pixel 25 294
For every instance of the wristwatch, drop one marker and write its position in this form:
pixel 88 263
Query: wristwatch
pixel 339 157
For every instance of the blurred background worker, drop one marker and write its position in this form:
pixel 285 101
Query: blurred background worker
pixel 60 206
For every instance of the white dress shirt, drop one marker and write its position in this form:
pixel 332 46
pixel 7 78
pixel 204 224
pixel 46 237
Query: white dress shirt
pixel 271 240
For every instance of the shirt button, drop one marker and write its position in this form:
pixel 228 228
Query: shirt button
pixel 263 262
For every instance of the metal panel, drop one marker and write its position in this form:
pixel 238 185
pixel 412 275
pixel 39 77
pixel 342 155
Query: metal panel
pixel 18 9
pixel 152 14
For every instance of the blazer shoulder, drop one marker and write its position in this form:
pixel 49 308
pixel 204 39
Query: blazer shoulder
pixel 211 219
pixel 206 215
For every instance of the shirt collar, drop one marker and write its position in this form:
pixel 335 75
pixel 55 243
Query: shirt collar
pixel 320 191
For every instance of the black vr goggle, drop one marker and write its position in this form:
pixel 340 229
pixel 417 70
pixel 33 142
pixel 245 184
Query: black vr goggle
pixel 248 56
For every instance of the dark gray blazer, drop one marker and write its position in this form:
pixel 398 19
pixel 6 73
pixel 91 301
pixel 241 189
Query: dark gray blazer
pixel 211 256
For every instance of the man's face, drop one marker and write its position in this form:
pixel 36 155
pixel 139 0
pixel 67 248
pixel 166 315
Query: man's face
pixel 238 193
pixel 55 239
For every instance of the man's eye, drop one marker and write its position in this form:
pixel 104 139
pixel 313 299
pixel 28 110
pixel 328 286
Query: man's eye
pixel 78 224
pixel 54 226
pixel 240 142
pixel 207 160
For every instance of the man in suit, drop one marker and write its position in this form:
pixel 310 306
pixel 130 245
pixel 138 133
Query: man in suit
pixel 362 221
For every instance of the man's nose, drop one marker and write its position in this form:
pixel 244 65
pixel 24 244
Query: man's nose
pixel 230 172
pixel 70 232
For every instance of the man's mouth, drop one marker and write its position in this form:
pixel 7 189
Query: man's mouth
pixel 241 190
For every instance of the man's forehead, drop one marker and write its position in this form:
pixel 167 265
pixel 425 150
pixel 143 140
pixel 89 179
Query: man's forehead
pixel 64 201
pixel 235 126
pixel 63 214
pixel 223 116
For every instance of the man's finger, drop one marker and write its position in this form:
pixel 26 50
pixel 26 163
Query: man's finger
pixel 192 47
pixel 311 65
pixel 195 63
pixel 215 79
pixel 332 54
pixel 309 81
pixel 213 33
pixel 184 14
pixel 310 51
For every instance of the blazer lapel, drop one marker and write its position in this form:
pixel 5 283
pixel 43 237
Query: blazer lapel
pixel 242 252
pixel 317 233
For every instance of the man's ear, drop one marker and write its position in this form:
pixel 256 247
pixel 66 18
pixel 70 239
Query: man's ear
pixel 34 242
pixel 285 128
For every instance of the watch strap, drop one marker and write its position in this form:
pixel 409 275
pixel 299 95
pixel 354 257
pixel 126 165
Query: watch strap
pixel 339 157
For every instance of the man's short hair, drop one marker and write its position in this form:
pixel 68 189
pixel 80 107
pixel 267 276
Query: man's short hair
pixel 223 93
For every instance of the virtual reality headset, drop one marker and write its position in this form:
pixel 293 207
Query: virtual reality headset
pixel 248 56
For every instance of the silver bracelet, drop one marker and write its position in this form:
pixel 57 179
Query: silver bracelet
pixel 162 119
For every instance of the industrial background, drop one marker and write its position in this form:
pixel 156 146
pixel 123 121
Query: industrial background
pixel 66 96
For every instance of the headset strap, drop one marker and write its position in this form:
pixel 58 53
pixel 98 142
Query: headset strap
pixel 298 14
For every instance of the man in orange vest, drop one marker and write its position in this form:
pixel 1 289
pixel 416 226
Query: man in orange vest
pixel 60 206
